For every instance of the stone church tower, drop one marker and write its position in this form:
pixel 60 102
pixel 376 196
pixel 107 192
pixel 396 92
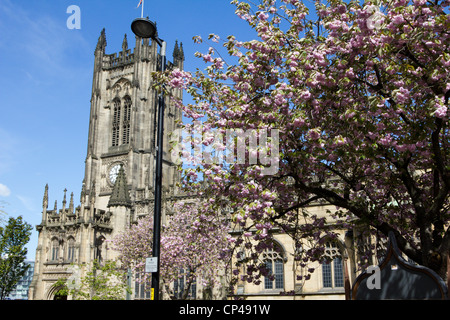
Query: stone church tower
pixel 120 164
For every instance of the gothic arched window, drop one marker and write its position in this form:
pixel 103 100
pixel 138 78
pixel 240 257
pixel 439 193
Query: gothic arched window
pixel 332 267
pixel 55 249
pixel 142 287
pixel 274 262
pixel 116 123
pixel 71 250
pixel 98 250
pixel 185 282
pixel 126 121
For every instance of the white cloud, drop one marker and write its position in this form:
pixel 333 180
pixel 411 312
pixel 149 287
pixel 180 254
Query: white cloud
pixel 27 202
pixel 4 191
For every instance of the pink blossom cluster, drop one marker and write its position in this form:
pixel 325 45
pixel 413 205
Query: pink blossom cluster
pixel 363 117
pixel 193 246
pixel 179 79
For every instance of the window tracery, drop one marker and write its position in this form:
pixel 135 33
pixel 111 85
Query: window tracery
pixel 332 267
pixel 274 261
pixel 71 250
pixel 121 121
pixel 126 121
pixel 55 250
pixel 116 123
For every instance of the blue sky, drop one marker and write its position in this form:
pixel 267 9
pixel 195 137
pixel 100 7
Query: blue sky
pixel 45 85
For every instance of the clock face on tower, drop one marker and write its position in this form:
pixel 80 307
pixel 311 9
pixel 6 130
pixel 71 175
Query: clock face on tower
pixel 113 172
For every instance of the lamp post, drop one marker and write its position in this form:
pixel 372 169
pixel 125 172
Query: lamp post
pixel 144 28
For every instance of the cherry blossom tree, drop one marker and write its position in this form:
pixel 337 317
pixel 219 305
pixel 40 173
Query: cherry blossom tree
pixel 359 93
pixel 194 247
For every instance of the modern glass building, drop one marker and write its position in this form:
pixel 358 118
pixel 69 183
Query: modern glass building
pixel 21 290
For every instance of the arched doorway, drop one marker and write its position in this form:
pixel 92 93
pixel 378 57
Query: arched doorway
pixel 57 292
pixel 60 296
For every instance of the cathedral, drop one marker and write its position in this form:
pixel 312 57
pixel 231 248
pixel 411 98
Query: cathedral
pixel 118 188
pixel 118 184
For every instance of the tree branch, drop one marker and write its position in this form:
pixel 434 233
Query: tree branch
pixel 296 206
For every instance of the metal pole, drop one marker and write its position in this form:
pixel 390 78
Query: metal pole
pixel 128 284
pixel 158 180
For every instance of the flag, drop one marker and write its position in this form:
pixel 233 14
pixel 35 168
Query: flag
pixel 140 2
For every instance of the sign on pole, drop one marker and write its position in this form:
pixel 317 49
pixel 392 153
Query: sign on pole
pixel 151 265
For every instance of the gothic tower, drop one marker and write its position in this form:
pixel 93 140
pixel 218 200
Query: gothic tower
pixel 118 183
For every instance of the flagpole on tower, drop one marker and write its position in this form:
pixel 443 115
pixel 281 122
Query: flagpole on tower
pixel 142 9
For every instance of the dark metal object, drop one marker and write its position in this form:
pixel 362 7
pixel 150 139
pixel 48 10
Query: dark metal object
pixel 144 28
pixel 400 280
pixel 158 187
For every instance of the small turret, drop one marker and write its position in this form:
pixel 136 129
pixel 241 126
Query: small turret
pixel 178 55
pixel 45 200
pixel 83 192
pixel 181 53
pixel 92 194
pixel 125 43
pixel 64 200
pixel 45 204
pixel 120 195
pixel 176 50
pixel 71 207
pixel 101 43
